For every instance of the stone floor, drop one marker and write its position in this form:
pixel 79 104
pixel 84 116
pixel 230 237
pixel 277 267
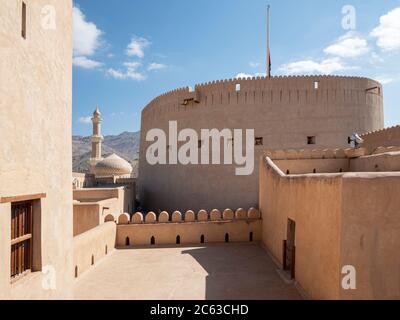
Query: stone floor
pixel 225 271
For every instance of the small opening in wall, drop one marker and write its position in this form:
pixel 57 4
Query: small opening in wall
pixel 237 87
pixel 287 172
pixel 153 241
pixel 106 250
pixel 311 140
pixel 76 271
pixel 178 239
pixel 341 170
pixel 251 237
pixel 316 85
pixel 23 26
pixel 199 144
pixel 315 171
pixel 202 240
pixel 92 260
pixel 227 237
pixel 259 141
pixel 127 241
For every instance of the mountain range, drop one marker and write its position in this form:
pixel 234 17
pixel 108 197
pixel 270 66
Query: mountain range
pixel 126 145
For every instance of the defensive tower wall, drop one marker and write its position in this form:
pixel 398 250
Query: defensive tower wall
pixel 304 112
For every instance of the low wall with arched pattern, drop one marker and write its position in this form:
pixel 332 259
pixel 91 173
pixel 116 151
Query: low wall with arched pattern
pixel 190 228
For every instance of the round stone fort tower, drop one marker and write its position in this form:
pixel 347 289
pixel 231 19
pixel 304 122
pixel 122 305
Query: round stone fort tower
pixel 299 112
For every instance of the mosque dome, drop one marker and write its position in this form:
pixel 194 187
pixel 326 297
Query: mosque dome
pixel 112 166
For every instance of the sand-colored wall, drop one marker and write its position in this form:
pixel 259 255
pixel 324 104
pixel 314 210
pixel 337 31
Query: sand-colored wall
pixel 125 196
pixel 282 110
pixel 370 234
pixel 309 165
pixel 97 242
pixel 92 206
pixel 341 219
pixel 86 216
pixel 314 203
pixel 91 194
pixel 82 180
pixel 35 144
pixel 385 162
pixel 387 137
pixel 189 232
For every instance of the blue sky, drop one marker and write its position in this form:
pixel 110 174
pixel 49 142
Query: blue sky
pixel 126 52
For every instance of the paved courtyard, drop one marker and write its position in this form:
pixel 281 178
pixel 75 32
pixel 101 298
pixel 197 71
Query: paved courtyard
pixel 226 271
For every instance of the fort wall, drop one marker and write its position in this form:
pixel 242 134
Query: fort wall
pixel 314 203
pixel 370 234
pixel 35 144
pixel 213 227
pixel 94 206
pixel 387 137
pixel 341 219
pixel 83 180
pixel 90 247
pixel 283 111
pixel 383 159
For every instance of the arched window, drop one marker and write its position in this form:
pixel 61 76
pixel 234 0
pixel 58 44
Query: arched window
pixel 92 259
pixel 76 271
pixel 251 237
pixel 178 239
pixel 106 250
pixel 227 237
pixel 202 240
pixel 127 241
pixel 315 171
pixel 287 172
pixel 153 241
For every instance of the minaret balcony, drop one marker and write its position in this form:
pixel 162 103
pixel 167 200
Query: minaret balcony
pixel 97 138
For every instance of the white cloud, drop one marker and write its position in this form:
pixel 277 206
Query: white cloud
pixel 85 120
pixel 326 66
pixel 131 72
pixel 156 66
pixel 388 31
pixel 386 79
pixel 136 47
pixel 248 75
pixel 132 65
pixel 243 75
pixel 350 45
pixel 86 34
pixel 254 64
pixel 86 63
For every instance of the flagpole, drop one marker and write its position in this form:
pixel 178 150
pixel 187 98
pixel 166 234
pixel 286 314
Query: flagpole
pixel 268 44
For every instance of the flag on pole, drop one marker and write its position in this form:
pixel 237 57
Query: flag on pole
pixel 269 63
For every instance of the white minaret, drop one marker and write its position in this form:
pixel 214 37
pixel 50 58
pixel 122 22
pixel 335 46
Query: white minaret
pixel 97 139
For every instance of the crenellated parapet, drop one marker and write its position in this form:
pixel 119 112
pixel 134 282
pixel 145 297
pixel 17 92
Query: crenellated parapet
pixel 312 89
pixel 189 217
pixel 385 131
pixel 388 137
pixel 347 153
pixel 285 112
pixel 190 228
